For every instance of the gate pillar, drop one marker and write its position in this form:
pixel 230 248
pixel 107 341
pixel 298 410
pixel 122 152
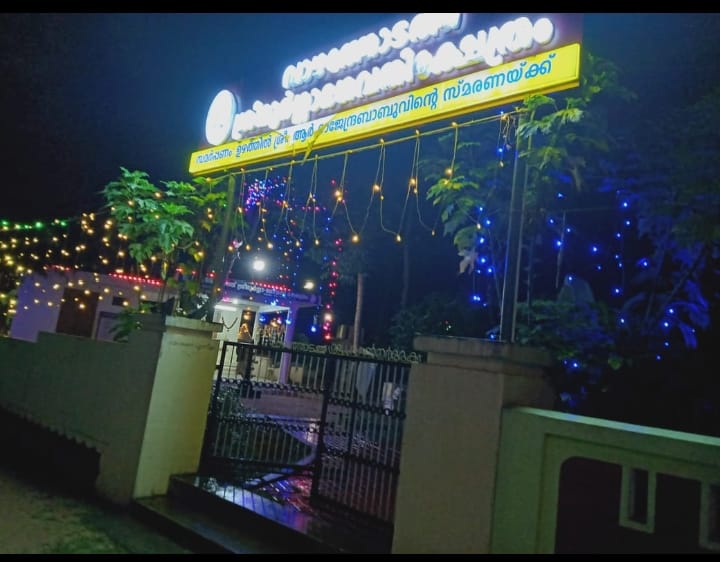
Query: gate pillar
pixel 451 438
pixel 177 413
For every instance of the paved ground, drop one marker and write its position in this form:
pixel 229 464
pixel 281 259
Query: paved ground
pixel 38 516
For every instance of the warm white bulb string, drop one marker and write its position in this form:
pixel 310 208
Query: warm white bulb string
pixel 241 208
pixel 285 205
pixel 311 201
pixel 376 187
pixel 338 195
pixel 261 208
pixel 450 170
pixel 416 191
pixel 342 193
pixel 384 142
pixel 382 197
pixel 411 182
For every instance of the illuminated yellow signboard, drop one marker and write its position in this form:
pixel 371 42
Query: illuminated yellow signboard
pixel 546 72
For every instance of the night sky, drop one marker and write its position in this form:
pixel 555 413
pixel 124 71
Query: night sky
pixel 83 94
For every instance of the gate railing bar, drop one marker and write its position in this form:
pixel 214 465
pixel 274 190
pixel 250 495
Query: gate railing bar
pixel 328 380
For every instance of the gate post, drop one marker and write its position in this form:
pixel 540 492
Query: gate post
pixel 451 438
pixel 178 410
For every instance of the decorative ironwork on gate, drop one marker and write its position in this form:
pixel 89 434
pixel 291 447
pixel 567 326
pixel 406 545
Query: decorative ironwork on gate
pixel 325 419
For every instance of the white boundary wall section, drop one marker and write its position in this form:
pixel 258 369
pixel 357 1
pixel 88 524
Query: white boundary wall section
pixel 535 444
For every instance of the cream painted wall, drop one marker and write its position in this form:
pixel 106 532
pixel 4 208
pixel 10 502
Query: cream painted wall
pixel 95 392
pixel 141 404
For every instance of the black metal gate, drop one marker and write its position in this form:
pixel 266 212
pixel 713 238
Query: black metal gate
pixel 332 419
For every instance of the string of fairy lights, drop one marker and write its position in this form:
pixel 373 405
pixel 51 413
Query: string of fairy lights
pixel 277 213
pixel 301 220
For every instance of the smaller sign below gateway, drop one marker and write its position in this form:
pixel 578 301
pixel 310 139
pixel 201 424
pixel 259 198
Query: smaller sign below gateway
pixel 268 293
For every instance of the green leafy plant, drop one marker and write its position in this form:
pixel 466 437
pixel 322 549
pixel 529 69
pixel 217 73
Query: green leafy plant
pixel 150 218
pixel 182 226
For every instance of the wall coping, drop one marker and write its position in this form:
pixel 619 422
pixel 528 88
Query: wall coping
pixel 183 323
pixel 579 421
pixel 437 346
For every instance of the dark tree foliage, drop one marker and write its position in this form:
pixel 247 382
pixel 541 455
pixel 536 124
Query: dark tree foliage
pixel 646 200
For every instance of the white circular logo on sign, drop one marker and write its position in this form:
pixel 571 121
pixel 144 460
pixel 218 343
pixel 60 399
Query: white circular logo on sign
pixel 220 117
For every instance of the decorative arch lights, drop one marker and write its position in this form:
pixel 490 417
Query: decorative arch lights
pixel 377 65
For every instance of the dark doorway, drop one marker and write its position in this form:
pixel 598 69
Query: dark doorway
pixel 589 511
pixel 77 312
